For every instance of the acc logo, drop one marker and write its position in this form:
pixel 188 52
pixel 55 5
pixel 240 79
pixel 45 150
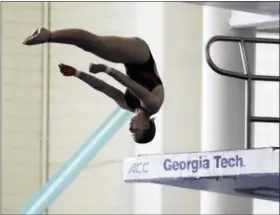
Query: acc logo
pixel 139 168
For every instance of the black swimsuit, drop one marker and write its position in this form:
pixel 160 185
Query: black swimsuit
pixel 144 74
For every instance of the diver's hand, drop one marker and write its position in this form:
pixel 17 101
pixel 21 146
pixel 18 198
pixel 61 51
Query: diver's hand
pixel 67 70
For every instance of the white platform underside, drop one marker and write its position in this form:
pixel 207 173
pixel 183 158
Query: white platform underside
pixel 258 7
pixel 251 173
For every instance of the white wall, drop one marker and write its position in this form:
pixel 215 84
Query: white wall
pixel 148 197
pixel 182 108
pixel 76 110
pixel 21 86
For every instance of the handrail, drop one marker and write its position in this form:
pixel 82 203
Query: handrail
pixel 240 40
pixel 247 76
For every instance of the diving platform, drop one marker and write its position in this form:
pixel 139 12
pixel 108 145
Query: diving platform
pixel 252 173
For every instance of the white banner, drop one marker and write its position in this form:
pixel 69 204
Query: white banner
pixel 203 164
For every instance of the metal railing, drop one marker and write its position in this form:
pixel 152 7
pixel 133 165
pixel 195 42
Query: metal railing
pixel 247 76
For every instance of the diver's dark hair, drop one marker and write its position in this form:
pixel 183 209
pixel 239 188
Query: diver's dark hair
pixel 148 134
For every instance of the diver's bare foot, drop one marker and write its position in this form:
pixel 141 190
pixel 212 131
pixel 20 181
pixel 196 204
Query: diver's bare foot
pixel 38 36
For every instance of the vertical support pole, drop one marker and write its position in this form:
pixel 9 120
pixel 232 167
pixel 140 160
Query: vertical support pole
pixel 45 99
pixel 246 67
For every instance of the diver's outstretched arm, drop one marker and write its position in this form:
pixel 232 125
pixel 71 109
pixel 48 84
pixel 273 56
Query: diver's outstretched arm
pixel 97 84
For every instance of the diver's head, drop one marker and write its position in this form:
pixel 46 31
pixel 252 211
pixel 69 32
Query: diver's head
pixel 143 128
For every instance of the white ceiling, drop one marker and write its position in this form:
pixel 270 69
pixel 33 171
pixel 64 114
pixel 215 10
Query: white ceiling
pixel 266 8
